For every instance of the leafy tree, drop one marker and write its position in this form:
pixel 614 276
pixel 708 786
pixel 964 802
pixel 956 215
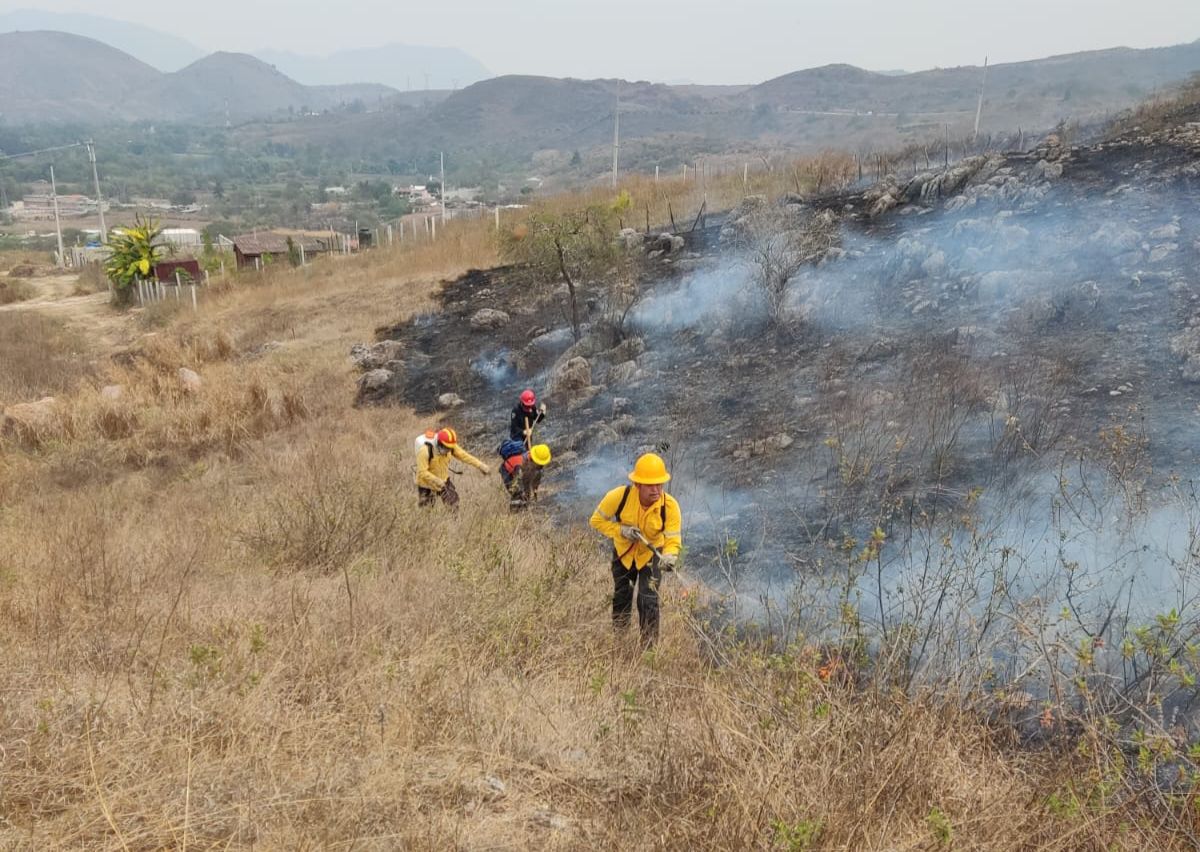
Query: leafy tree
pixel 134 251
pixel 573 247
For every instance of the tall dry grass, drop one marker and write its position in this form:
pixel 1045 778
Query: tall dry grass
pixel 227 625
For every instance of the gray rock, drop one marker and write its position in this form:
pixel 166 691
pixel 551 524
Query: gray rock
pixel 570 377
pixel 189 380
pixel 1161 252
pixel 450 400
pixel 1169 231
pixel 30 420
pixel 631 240
pixel 622 373
pixel 489 318
pixel 377 355
pixel 112 392
pixel 374 380
pixel 627 350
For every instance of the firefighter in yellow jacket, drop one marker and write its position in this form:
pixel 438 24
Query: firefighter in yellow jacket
pixel 434 452
pixel 643 522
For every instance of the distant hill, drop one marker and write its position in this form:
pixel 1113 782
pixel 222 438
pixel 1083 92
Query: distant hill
pixel 404 67
pixel 58 77
pixel 49 76
pixel 1035 92
pixel 161 50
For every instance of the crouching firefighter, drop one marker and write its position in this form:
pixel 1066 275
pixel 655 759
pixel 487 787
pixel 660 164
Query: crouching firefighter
pixel 643 522
pixel 522 471
pixel 433 466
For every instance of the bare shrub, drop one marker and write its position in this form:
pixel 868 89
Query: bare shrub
pixel 778 242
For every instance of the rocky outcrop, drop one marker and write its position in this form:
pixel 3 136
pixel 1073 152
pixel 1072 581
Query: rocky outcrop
pixel 570 377
pixel 377 355
pixel 374 386
pixel 489 319
pixel 31 422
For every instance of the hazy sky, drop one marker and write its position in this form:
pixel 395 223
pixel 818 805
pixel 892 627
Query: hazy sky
pixel 698 40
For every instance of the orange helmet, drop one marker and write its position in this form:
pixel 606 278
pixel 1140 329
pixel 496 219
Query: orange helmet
pixel 447 437
pixel 650 469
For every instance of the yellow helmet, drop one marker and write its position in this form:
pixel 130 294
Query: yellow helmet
pixel 650 469
pixel 540 454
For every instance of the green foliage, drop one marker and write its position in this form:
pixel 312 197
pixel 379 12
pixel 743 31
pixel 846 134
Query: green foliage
pixel 940 826
pixel 798 836
pixel 134 251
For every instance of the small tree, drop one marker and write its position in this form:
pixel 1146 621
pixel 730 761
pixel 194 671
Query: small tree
pixel 133 253
pixel 778 242
pixel 572 247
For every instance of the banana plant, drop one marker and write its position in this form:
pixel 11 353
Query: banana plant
pixel 134 251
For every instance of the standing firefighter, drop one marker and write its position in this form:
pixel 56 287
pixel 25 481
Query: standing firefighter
pixel 433 467
pixel 643 522
pixel 525 415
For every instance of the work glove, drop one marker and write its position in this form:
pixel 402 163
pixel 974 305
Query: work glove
pixel 542 409
pixel 630 532
pixel 668 560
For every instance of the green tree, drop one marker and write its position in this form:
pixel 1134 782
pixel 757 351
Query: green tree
pixel 573 247
pixel 134 251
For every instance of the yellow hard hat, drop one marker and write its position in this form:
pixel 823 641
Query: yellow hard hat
pixel 650 470
pixel 540 454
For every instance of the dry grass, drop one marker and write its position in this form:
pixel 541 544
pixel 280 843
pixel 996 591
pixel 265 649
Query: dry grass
pixel 226 625
pixel 39 356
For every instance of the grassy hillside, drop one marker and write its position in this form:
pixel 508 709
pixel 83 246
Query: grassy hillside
pixel 228 626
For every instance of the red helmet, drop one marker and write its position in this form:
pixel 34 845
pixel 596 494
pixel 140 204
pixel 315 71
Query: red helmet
pixel 528 398
pixel 447 437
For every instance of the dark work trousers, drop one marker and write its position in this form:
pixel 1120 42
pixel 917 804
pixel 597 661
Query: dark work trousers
pixel 448 495
pixel 647 582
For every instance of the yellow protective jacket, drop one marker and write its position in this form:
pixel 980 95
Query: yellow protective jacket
pixel 660 523
pixel 433 468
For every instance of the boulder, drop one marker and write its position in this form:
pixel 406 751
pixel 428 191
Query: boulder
pixel 622 373
pixel 1161 252
pixel 570 376
pixel 631 240
pixel 1167 232
pixel 489 318
pixel 30 422
pixel 189 380
pixel 377 355
pixel 112 392
pixel 374 386
pixel 627 350
pixel 450 400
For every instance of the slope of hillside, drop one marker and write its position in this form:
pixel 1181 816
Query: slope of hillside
pixel 164 51
pixel 64 77
pixel 237 81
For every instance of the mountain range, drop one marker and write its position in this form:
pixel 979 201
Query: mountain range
pixel 401 66
pixel 59 77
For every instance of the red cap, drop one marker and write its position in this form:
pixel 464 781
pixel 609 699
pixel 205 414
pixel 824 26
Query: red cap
pixel 528 399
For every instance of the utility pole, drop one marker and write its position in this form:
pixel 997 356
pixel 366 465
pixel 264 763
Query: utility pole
pixel 442 157
pixel 979 108
pixel 57 222
pixel 616 134
pixel 91 148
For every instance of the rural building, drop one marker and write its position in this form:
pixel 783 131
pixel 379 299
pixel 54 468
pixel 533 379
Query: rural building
pixel 271 247
pixel 183 239
pixel 39 204
pixel 187 267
